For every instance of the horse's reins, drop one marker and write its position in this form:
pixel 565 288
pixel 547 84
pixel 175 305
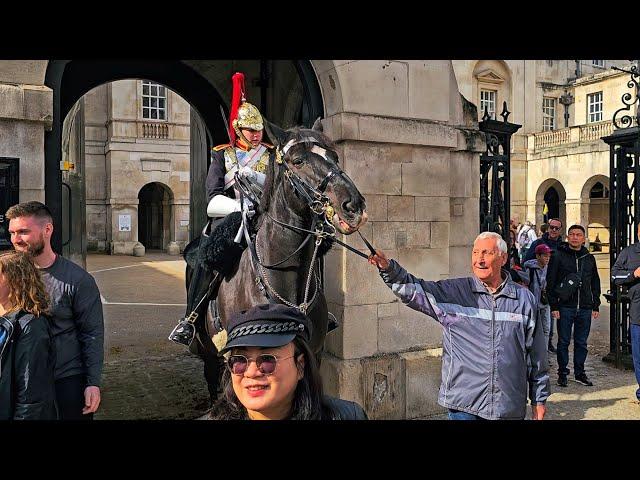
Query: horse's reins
pixel 317 202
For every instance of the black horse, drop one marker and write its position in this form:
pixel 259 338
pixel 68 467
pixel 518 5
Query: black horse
pixel 305 199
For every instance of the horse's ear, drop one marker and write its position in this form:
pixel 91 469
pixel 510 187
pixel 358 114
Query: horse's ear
pixel 317 125
pixel 277 135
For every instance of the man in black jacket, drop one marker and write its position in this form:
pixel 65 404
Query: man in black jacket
pixel 552 239
pixel 626 272
pixel 577 306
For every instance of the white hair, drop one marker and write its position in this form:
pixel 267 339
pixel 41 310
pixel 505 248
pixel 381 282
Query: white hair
pixel 500 243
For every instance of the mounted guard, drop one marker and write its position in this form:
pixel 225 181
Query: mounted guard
pixel 286 204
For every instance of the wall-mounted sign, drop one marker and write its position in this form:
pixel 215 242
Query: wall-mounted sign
pixel 124 223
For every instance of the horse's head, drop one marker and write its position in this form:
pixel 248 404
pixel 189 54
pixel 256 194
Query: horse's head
pixel 311 164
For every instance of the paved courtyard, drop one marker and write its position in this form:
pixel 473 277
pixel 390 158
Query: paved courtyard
pixel 147 377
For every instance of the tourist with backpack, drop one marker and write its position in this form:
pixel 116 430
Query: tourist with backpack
pixel 573 288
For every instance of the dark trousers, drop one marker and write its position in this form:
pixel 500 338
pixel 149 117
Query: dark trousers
pixel 580 322
pixel 70 398
pixel 635 351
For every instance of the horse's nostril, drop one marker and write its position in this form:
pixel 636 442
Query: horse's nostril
pixel 350 206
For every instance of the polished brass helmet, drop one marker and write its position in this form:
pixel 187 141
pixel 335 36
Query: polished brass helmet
pixel 248 117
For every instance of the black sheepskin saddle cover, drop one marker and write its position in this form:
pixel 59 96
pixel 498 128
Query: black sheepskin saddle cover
pixel 218 251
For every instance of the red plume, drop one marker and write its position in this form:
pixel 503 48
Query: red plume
pixel 237 96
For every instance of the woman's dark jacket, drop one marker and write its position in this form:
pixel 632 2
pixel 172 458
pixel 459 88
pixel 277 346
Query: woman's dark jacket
pixel 565 261
pixel 27 362
pixel 333 409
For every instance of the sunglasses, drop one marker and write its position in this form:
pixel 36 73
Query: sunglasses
pixel 554 228
pixel 265 362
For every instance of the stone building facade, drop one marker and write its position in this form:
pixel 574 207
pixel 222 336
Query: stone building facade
pixel 137 167
pixel 564 107
pixel 407 134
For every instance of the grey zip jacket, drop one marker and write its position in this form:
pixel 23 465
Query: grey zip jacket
pixel 493 354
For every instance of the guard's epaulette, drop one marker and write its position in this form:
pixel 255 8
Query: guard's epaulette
pixel 268 145
pixel 217 148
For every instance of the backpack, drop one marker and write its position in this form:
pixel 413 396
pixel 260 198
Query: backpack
pixel 523 236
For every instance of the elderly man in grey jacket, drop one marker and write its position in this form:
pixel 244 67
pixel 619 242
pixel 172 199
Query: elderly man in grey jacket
pixel 493 354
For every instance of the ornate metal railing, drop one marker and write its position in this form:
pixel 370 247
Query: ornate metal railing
pixel 495 172
pixel 621 119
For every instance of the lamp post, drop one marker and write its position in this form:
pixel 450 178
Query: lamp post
pixel 566 100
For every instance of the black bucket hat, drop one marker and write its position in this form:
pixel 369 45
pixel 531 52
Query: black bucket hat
pixel 269 325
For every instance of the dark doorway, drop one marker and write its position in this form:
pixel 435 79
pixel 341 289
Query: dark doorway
pixel 552 200
pixel 154 216
pixel 9 190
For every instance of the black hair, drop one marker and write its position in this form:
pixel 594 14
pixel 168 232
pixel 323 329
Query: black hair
pixel 579 227
pixel 307 399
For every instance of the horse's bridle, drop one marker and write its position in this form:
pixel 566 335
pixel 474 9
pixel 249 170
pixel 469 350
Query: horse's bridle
pixel 314 196
pixel 317 202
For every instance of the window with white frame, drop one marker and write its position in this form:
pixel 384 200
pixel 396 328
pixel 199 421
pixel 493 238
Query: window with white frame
pixel 488 102
pixel 597 63
pixel 548 114
pixel 154 101
pixel 594 107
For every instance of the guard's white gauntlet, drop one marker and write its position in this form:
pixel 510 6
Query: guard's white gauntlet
pixel 251 175
pixel 221 206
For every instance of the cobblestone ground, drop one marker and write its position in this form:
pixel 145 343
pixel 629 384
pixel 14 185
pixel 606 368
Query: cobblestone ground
pixel 154 388
pixel 146 376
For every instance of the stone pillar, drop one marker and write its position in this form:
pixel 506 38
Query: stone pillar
pixel 418 169
pixel 181 218
pixel 574 212
pixel 26 112
pixel 122 243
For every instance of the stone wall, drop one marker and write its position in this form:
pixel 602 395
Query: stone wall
pixel 26 112
pixel 413 154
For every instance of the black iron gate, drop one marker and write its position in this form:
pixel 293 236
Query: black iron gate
pixel 624 214
pixel 9 191
pixel 495 174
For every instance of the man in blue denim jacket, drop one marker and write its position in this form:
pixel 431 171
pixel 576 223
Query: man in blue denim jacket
pixel 493 353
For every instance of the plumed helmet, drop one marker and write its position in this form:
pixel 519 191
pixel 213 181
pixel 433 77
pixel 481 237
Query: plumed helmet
pixel 242 114
pixel 248 117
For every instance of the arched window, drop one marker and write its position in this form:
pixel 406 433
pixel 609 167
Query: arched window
pixel 599 190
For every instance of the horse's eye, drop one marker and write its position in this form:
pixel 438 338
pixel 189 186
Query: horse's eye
pixel 298 159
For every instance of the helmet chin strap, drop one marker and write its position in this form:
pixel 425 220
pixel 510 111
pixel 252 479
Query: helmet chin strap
pixel 244 139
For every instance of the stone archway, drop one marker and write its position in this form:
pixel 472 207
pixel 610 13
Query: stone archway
pixel 594 212
pixel 552 191
pixel 204 84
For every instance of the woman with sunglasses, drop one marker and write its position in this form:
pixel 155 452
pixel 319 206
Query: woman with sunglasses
pixel 271 372
pixel 27 354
